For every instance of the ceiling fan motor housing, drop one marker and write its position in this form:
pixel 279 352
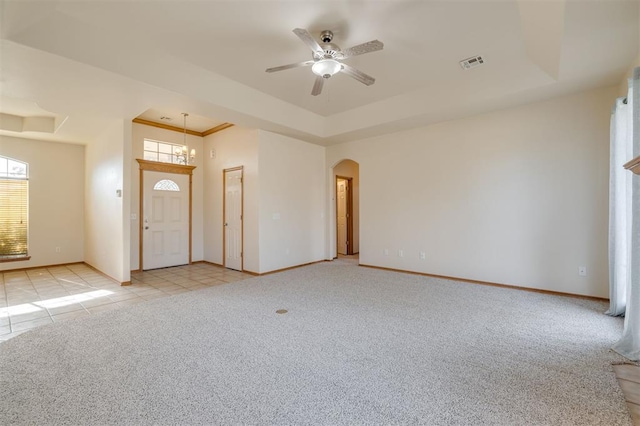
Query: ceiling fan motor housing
pixel 329 50
pixel 326 36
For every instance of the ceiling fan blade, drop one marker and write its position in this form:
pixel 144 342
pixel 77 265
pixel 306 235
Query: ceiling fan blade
pixel 286 67
pixel 370 46
pixel 309 40
pixel 317 86
pixel 358 75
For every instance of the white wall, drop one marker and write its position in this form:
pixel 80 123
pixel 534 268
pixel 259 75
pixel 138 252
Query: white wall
pixel 233 147
pixel 349 168
pixel 105 236
pixel 140 132
pixel 292 202
pixel 56 200
pixel 518 196
pixel 283 177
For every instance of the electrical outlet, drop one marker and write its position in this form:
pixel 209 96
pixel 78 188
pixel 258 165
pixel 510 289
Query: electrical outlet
pixel 423 255
pixel 386 252
pixel 400 253
pixel 582 271
pixel 58 249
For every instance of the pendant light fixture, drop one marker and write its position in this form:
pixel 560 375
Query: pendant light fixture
pixel 182 154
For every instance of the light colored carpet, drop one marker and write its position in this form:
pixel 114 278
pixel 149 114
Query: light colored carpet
pixel 358 346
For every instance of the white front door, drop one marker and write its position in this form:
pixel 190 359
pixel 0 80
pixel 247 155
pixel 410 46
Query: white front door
pixel 165 220
pixel 233 219
pixel 341 190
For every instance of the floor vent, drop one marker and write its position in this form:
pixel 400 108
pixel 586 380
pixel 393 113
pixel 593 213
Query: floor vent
pixel 472 62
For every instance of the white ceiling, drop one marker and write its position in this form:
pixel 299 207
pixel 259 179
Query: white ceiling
pixel 104 60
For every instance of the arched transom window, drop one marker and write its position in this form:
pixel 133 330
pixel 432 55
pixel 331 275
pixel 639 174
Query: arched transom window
pixel 166 185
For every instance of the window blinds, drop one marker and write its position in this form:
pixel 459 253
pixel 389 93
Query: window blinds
pixel 14 216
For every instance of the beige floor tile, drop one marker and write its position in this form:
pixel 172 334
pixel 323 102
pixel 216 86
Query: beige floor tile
pixel 8 279
pixel 154 296
pixel 190 286
pixel 131 302
pixel 198 287
pixel 100 301
pixel 123 296
pixel 48 286
pixel 168 288
pixel 178 291
pixel 121 290
pixel 147 290
pixel 22 290
pixel 53 295
pixel 25 294
pixel 26 288
pixel 65 309
pixel 12 303
pixel 16 319
pixel 27 325
pixel 42 280
pixel 70 315
pixel 210 281
pixel 103 308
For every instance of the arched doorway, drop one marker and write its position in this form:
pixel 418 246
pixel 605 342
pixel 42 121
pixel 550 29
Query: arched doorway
pixel 346 187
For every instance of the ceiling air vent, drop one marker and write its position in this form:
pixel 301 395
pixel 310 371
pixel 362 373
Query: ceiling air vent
pixel 472 62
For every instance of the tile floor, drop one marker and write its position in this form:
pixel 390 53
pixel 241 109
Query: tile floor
pixel 34 297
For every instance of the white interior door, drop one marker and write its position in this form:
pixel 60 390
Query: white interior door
pixel 165 218
pixel 233 219
pixel 341 189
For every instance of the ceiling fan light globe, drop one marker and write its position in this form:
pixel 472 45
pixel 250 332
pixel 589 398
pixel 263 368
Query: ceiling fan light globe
pixel 326 67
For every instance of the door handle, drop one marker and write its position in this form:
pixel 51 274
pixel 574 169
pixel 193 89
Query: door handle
pixel 146 227
pixel 226 224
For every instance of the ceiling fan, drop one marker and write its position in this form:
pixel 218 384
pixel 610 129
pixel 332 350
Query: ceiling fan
pixel 327 59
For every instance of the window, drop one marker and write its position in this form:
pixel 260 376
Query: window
pixel 166 185
pixel 14 203
pixel 163 152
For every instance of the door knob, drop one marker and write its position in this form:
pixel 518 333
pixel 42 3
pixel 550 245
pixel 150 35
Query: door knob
pixel 146 227
pixel 226 224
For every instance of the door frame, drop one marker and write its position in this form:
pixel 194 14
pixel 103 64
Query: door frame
pixel 154 166
pixel 349 213
pixel 224 215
